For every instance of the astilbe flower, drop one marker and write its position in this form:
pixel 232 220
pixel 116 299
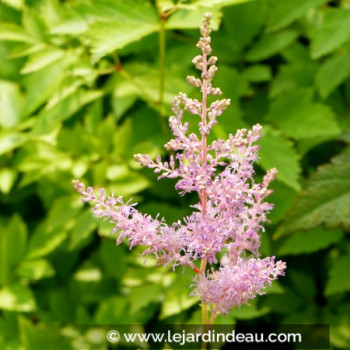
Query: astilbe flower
pixel 231 208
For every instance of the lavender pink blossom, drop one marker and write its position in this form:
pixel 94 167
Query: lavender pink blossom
pixel 227 220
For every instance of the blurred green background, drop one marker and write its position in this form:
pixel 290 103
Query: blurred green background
pixel 86 84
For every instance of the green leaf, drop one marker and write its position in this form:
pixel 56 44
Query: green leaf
pixel 339 277
pixel 13 240
pixel 283 198
pixel 282 13
pixel 188 19
pixel 9 331
pixel 53 230
pixel 40 85
pixel 143 81
pixel 64 109
pixel 293 76
pixel 35 269
pixel 17 4
pixel 17 298
pixel 277 152
pixel 210 3
pixel 270 44
pixel 10 104
pixel 164 5
pixel 144 295
pixel 83 229
pixel 298 117
pixel 243 22
pixel 124 24
pixel 325 201
pixel 115 310
pixel 113 258
pixel 249 312
pixel 310 241
pixel 10 140
pixel 333 32
pixel 258 73
pixel 40 336
pixel 7 179
pixel 44 241
pixel 177 298
pixel 177 302
pixel 12 32
pixel 42 59
pixel 331 74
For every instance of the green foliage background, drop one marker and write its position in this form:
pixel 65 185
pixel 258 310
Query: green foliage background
pixel 86 84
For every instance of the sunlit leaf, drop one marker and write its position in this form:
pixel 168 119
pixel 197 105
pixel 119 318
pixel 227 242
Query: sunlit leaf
pixel 10 104
pixel 17 297
pixel 35 269
pixel 42 59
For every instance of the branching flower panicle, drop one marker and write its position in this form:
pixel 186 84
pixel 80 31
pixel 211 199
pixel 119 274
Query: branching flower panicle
pixel 231 210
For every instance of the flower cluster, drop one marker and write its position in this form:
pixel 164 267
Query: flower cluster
pixel 231 210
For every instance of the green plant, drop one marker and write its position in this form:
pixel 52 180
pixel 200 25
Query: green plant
pixel 80 86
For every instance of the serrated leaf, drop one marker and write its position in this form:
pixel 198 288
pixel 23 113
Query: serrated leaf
pixel 325 201
pixel 339 277
pixel 17 298
pixel 277 152
pixel 42 59
pixel 123 24
pixel 282 13
pixel 271 44
pixel 298 117
pixel 310 241
pixel 333 32
pixel 332 73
